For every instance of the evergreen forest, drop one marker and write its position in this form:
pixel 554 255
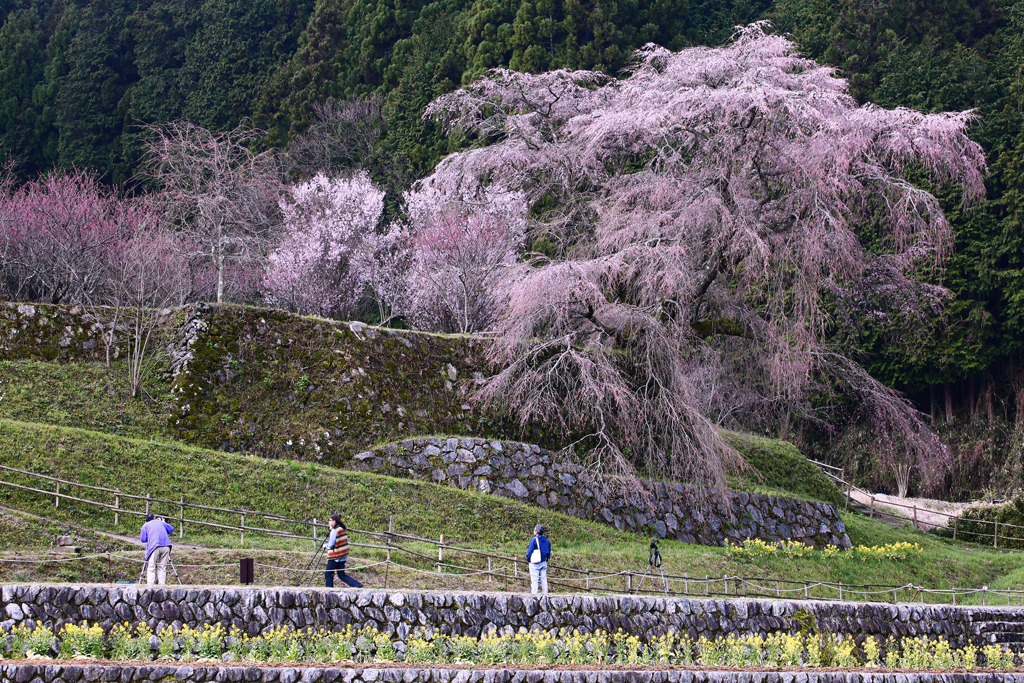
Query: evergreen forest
pixel 81 79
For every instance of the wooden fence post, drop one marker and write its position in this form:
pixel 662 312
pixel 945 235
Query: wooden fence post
pixel 995 533
pixel 489 578
pixel 915 516
pixel 707 585
pixel 588 579
pixel 871 515
pixel 181 517
pixel 56 497
pixel 440 553
pixel 391 528
pixel 955 520
pixel 849 490
pixel 147 503
pixel 117 506
pixel 314 531
pixel 807 593
pixel 243 530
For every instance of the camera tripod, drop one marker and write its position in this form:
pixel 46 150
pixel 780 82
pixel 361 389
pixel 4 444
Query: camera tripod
pixel 315 562
pixel 169 560
pixel 653 563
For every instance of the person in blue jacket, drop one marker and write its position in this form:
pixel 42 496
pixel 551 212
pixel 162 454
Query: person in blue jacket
pixel 158 548
pixel 537 554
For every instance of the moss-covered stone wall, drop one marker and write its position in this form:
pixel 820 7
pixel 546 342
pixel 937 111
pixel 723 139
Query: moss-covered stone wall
pixel 42 332
pixel 279 385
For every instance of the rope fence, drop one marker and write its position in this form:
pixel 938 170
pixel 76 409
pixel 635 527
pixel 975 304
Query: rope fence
pixel 495 567
pixel 971 525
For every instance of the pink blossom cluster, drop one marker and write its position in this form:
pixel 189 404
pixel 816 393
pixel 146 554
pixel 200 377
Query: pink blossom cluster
pixel 64 238
pixel 461 246
pixel 319 266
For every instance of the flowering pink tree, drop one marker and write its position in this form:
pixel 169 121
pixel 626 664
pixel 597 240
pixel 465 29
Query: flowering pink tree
pixel 221 196
pixel 58 236
pixel 460 247
pixel 319 265
pixel 708 202
pixel 382 264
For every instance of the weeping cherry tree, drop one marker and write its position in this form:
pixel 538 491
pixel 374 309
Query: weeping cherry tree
pixel 697 226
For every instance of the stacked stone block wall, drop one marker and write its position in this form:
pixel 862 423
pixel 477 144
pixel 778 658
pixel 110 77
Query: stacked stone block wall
pixel 407 613
pixel 531 474
pixel 79 673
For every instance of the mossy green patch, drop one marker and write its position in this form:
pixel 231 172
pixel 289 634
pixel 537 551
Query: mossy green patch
pixel 84 394
pixel 779 468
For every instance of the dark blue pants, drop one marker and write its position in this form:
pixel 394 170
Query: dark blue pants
pixel 339 566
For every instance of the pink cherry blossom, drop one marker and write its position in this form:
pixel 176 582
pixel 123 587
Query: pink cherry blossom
pixel 702 219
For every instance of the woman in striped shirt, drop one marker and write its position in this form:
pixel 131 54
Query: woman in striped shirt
pixel 337 553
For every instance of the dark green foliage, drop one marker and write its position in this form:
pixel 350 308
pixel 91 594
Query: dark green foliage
pixel 979 524
pixel 234 52
pixel 540 35
pixel 92 107
pixel 80 77
pixel 22 61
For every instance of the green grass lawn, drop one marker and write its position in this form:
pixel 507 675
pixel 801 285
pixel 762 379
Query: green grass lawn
pixel 91 396
pixel 427 510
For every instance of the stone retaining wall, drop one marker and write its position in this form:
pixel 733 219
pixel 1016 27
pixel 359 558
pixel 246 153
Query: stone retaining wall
pixel 75 673
pixel 42 332
pixel 403 614
pixel 530 474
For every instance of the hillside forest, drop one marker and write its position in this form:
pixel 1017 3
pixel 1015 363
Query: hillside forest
pixel 898 353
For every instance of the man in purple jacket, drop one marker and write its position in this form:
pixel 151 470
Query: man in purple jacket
pixel 158 548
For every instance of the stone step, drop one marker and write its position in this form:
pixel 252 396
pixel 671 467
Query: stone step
pixel 1004 637
pixel 1000 627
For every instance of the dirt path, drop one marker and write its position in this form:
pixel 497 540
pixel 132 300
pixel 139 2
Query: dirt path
pixel 930 513
pixel 126 539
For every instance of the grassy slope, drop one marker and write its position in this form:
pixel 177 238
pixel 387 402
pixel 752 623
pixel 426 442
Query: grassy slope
pixel 779 468
pixel 231 481
pixel 428 510
pixel 86 395
pixel 19 531
pixel 89 396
